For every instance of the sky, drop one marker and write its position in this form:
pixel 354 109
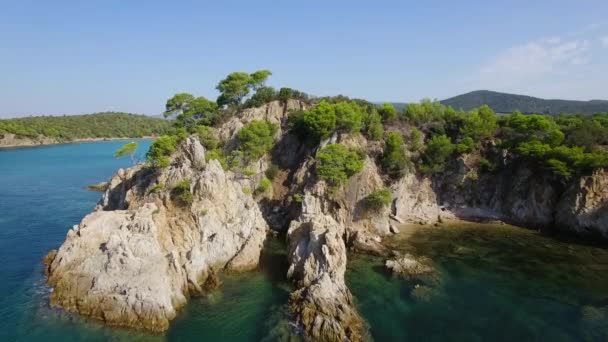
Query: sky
pixel 72 57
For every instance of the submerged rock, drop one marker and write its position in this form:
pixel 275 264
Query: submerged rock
pixel 409 266
pixel 136 259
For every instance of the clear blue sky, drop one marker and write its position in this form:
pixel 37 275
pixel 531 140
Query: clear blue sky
pixel 72 57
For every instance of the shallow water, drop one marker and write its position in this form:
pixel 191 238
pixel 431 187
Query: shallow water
pixel 495 282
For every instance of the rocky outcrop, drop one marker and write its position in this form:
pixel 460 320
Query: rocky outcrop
pixel 136 259
pixel 415 201
pixel 583 208
pixel 322 304
pixel 409 267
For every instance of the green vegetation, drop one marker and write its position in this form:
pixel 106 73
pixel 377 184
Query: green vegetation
pixel 256 138
pixel 394 160
pixel 237 85
pixel 388 112
pixel 263 186
pixel 378 199
pixel 91 126
pixel 160 150
pixel 374 127
pixel 181 193
pixel 438 150
pixel 127 149
pixel 191 111
pixel 272 171
pixel 336 163
pixel 156 187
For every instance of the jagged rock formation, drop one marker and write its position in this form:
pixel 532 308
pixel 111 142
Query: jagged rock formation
pixel 135 260
pixel 322 304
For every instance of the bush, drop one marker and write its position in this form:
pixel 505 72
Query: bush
pixel 349 116
pixel 465 146
pixel 416 140
pixel 320 121
pixel 375 130
pixel 207 137
pixel 181 193
pixel 272 171
pixel 160 150
pixel 156 188
pixel 486 165
pixel 248 172
pixel 335 164
pixel 263 186
pixel 394 161
pixel 262 96
pixel 479 123
pixel 439 148
pixel 256 138
pixel 388 112
pixel 378 199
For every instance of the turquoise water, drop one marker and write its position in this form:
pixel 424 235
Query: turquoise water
pixel 493 283
pixel 42 194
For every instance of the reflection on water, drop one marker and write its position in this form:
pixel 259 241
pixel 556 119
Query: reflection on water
pixel 498 282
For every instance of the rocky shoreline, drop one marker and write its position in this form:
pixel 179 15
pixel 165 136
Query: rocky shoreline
pixel 142 253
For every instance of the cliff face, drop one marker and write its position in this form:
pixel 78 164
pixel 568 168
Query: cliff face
pixel 134 261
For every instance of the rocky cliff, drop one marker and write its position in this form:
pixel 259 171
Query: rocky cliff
pixel 136 259
pixel 144 250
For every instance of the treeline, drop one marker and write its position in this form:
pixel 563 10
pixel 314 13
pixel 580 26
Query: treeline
pixel 421 137
pixel 99 125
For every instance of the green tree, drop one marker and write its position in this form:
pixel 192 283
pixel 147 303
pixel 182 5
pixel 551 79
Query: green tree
pixel 394 160
pixel 438 149
pixel 416 140
pixel 388 112
pixel 128 149
pixel 320 121
pixel 256 138
pixel 349 116
pixel 336 163
pixel 160 150
pixel 258 78
pixel 262 96
pixel 374 128
pixel 178 104
pixel 480 123
pixel 233 88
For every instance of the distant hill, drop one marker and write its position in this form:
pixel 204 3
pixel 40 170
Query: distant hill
pixel 506 103
pixel 89 126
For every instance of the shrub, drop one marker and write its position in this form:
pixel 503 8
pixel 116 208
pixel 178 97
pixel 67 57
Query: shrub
pixel 248 172
pixel 204 211
pixel 439 148
pixel 486 165
pixel 160 150
pixel 207 137
pixel 479 123
pixel 388 112
pixel 416 140
pixel 298 198
pixel 181 193
pixel 262 96
pixel 247 191
pixel 349 116
pixel 374 130
pixel 285 94
pixel 256 138
pixel 335 164
pixel 320 121
pixel 466 145
pixel 272 171
pixel 263 186
pixel 218 155
pixel 378 199
pixel 156 188
pixel 394 161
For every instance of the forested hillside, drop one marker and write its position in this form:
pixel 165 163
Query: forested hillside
pixel 99 125
pixel 506 103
